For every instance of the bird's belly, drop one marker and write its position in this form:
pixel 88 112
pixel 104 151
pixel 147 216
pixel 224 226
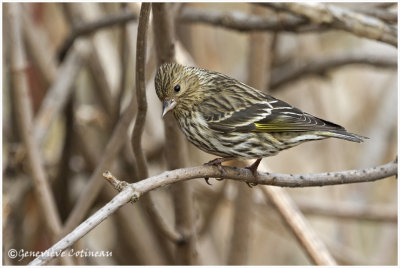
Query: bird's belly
pixel 247 145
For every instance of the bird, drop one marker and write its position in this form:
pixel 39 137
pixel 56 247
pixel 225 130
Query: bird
pixel 227 118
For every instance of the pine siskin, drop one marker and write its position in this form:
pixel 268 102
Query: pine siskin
pixel 225 117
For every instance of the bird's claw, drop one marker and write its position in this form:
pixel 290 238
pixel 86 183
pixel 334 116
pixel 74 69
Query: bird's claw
pixel 206 179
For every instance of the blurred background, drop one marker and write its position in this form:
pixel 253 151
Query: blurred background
pixel 78 91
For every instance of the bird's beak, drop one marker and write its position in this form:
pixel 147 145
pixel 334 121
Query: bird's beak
pixel 168 105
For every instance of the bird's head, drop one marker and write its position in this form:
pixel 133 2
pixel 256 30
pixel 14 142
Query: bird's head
pixel 176 86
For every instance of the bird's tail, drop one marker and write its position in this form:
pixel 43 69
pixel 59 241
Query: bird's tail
pixel 343 134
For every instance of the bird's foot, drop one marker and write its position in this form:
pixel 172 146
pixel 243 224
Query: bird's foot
pixel 253 168
pixel 217 162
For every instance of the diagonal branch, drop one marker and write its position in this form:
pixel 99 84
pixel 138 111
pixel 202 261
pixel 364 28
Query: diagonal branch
pixel 132 192
pixel 299 226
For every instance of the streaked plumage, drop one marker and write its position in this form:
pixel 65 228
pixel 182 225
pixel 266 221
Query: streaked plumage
pixel 227 118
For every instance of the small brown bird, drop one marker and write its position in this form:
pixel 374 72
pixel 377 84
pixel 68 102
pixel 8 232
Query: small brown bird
pixel 227 118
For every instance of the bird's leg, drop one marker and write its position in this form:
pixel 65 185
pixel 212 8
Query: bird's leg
pixel 253 168
pixel 217 162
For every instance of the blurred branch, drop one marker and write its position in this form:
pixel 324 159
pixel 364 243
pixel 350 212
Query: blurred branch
pixel 243 22
pixel 215 201
pixel 59 93
pixel 175 154
pixel 24 118
pixel 94 185
pixel 294 70
pixel 241 231
pixel 38 44
pixel 261 54
pixel 351 211
pixel 296 222
pixel 124 59
pixel 101 83
pixel 86 28
pixel 73 13
pixel 342 19
pixel 381 13
pixel 383 124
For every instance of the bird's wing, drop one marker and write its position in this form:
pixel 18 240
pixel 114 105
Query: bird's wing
pixel 265 115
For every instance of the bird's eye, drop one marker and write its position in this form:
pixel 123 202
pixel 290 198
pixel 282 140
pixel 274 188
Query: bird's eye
pixel 177 88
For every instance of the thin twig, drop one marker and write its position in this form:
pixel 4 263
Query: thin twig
pixel 133 191
pixel 294 70
pixel 342 19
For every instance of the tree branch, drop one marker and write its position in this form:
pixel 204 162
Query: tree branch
pixel 296 222
pixel 138 128
pixel 382 13
pixel 294 70
pixel 132 192
pixel 342 19
pixel 349 211
pixel 243 22
pixel 83 29
pixel 59 93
